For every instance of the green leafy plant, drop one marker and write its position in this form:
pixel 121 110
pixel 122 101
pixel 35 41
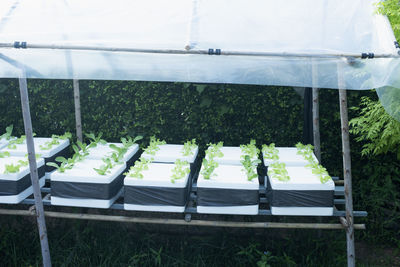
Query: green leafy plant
pixel 14 168
pixel 189 147
pixel 250 166
pixel 105 168
pixel 55 140
pixel 270 152
pixel 278 170
pixel 140 165
pixel 13 143
pixel 8 134
pixel 94 140
pixel 180 170
pixel 375 127
pixel 65 164
pixel 307 152
pixel 153 146
pixel 209 164
pixel 250 149
pixel 4 154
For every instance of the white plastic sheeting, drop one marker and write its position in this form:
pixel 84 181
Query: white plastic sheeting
pixel 264 26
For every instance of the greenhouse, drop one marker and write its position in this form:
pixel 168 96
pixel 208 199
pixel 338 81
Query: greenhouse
pixel 308 44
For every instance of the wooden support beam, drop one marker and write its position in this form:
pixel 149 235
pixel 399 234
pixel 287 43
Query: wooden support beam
pixel 206 223
pixel 315 112
pixel 77 102
pixel 39 210
pixel 346 167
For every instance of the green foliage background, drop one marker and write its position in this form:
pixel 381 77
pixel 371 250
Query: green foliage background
pixel 233 113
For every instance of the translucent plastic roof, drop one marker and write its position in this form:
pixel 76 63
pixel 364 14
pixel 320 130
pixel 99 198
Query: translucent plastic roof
pixel 292 29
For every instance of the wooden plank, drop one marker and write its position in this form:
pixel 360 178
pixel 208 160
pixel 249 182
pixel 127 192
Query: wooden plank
pixel 207 223
pixel 77 102
pixel 39 210
pixel 344 120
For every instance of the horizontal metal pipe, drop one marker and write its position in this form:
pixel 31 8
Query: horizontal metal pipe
pixel 113 218
pixel 195 52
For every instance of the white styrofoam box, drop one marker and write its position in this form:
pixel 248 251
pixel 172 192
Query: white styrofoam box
pixel 232 156
pixel 169 153
pixel 21 149
pixel 228 177
pixel 301 178
pixel 101 151
pixel 15 199
pixel 24 170
pixel 289 156
pixel 158 175
pixel 83 172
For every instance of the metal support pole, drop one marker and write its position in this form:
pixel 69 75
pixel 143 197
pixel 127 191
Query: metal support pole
pixel 346 168
pixel 34 172
pixel 315 112
pixel 77 102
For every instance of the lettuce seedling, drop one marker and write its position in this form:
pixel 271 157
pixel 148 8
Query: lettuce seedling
pixel 307 152
pixel 250 166
pixel 250 149
pixel 270 152
pixel 4 154
pixel 8 134
pixel 278 170
pixel 189 147
pixel 140 165
pixel 55 140
pixel 13 143
pixel 154 146
pixel 209 164
pixel 180 170
pixel 94 140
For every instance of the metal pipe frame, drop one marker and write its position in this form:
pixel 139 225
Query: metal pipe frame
pixel 195 51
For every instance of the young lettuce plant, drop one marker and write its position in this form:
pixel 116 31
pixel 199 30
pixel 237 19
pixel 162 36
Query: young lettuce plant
pixel 11 168
pixel 209 164
pixel 278 170
pixel 8 134
pixel 55 140
pixel 154 146
pixel 140 165
pixel 270 152
pixel 94 140
pixel 250 166
pixel 307 152
pixel 180 170
pixel 4 154
pixel 250 149
pixel 13 143
pixel 189 147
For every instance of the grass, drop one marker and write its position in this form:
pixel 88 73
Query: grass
pixel 83 243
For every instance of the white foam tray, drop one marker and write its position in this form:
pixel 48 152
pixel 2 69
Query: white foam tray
pixel 301 178
pixel 83 172
pixel 302 211
pixel 169 153
pixel 232 156
pixel 159 175
pixel 289 156
pixel 85 202
pixel 101 151
pixel 24 170
pixel 229 177
pixel 21 149
pixel 15 199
